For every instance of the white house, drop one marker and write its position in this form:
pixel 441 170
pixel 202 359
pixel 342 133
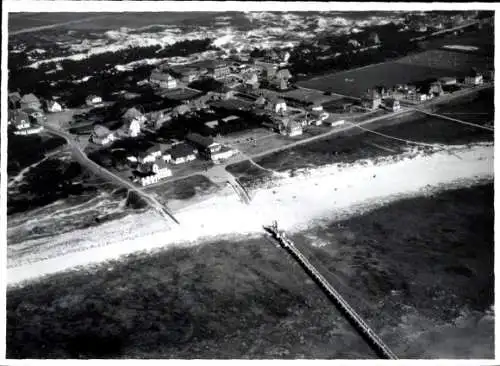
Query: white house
pixel 292 128
pixel 92 100
pixel 161 169
pixel 158 168
pixel 133 122
pixel 147 179
pixel 166 157
pixel 277 105
pixel 150 155
pixel 102 136
pixel 223 154
pixel 53 106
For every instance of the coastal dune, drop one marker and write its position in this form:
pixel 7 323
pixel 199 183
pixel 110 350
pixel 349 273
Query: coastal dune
pixel 296 202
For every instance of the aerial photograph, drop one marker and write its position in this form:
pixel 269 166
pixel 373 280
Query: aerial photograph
pixel 250 184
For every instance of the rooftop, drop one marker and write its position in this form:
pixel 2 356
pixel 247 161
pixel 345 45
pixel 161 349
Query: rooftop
pixel 199 139
pixel 181 150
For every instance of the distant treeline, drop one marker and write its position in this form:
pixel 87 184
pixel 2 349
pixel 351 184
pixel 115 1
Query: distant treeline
pixel 312 58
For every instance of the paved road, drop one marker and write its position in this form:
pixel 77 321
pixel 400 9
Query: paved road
pixel 82 158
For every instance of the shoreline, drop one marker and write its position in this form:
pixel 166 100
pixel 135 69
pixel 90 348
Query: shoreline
pixel 297 203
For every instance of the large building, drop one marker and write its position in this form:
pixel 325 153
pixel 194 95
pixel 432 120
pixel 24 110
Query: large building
pixel 162 79
pixel 181 153
pixel 205 145
pixel 218 70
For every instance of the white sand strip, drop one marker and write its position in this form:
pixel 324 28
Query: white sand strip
pixel 297 203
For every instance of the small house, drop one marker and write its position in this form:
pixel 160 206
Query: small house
pixel 53 106
pixel 392 104
pixel 291 129
pixel 21 121
pixel 162 79
pixel 212 124
pixel 318 117
pixel 277 105
pixel 448 80
pixel 206 146
pixel 101 135
pixel 371 100
pixel 474 77
pixel 252 81
pixel 133 121
pixel 436 88
pixel 223 154
pixel 93 100
pixel 166 157
pixel 30 101
pixel 182 153
pixel 146 179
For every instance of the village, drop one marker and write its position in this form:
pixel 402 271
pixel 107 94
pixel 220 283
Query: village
pixel 252 98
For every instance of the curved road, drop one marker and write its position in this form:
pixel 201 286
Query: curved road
pixel 83 159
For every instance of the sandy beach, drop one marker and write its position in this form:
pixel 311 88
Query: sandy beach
pixel 297 202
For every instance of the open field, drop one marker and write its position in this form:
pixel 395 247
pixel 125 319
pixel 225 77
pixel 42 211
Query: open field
pixel 458 62
pixel 248 299
pixel 184 191
pixel 409 69
pixel 477 108
pixel 483 39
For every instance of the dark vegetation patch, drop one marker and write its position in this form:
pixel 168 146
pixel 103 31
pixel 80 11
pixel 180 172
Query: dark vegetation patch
pixel 184 189
pixel 26 150
pixel 434 252
pixel 47 182
pixel 477 108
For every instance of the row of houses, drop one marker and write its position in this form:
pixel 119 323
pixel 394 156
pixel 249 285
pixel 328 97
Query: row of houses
pixel 389 98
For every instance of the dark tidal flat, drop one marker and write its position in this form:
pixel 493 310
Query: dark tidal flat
pixel 411 268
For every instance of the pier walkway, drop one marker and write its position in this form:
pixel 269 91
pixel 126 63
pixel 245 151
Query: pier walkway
pixel 352 316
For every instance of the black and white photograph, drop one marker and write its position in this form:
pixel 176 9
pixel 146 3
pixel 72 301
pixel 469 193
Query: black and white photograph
pixel 260 181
